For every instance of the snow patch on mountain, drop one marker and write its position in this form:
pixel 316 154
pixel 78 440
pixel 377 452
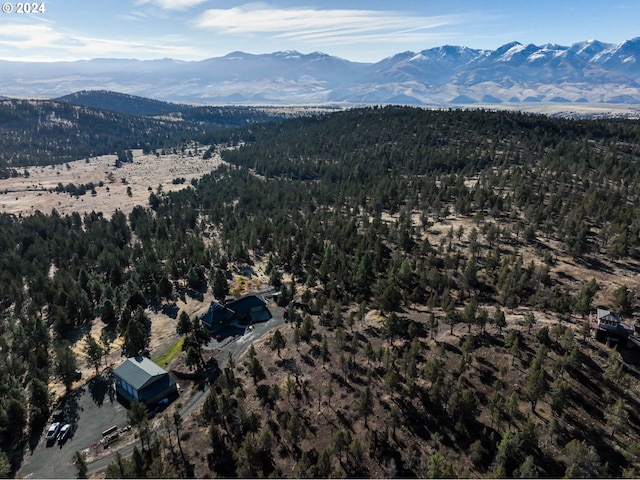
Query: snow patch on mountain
pixel 585 72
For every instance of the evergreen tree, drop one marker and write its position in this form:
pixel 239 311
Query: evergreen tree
pixel 108 312
pixel 500 320
pixel 81 465
pixel 529 321
pixel 277 342
pixel 365 404
pixel 94 352
pixel 364 276
pixel 220 284
pixel 254 366
pixel 65 363
pixel 624 300
pixel 585 297
pixel 137 333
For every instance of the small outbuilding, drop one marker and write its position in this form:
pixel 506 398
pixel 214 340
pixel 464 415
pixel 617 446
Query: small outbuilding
pixel 138 378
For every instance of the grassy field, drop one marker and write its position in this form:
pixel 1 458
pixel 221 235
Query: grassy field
pixel 164 359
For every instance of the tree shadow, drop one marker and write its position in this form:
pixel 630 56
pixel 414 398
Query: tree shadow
pixel 262 391
pixel 487 377
pixel 372 332
pixel 72 406
pixel 566 276
pixel 99 388
pixel 171 310
pixel 307 359
pixel 594 263
pixel 34 438
pixel 110 332
pixel 344 420
pixel 196 294
pixel 451 348
pixel 630 356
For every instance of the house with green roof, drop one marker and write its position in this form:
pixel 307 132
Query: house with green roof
pixel 138 378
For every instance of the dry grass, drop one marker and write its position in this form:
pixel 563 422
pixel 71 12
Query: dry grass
pixel 26 195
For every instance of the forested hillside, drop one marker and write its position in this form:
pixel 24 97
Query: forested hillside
pixel 212 116
pixel 574 180
pixel 38 132
pixel 441 263
pixel 121 102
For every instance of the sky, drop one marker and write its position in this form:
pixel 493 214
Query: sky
pixel 363 31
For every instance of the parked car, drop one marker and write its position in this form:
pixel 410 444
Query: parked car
pixel 64 432
pixel 52 431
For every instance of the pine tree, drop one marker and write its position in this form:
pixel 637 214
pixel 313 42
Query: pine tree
pixel 94 352
pixel 80 463
pixel 500 320
pixel 365 404
pixel 220 284
pixel 65 364
pixel 277 342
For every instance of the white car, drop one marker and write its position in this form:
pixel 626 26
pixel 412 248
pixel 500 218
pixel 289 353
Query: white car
pixel 52 431
pixel 64 432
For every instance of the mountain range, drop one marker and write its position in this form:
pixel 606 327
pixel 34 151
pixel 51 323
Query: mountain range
pixel 585 72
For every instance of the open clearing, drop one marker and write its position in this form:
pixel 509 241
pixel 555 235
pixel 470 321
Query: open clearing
pixel 27 194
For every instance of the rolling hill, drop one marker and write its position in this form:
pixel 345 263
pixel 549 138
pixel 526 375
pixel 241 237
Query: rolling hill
pixel 43 132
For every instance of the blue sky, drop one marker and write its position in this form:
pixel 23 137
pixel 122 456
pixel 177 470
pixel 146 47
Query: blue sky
pixel 357 30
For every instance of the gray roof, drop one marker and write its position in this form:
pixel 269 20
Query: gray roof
pixel 608 315
pixel 139 372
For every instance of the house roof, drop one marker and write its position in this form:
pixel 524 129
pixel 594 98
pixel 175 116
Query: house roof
pixel 250 306
pixel 139 372
pixel 608 315
pixel 217 315
pixel 157 386
pixel 244 304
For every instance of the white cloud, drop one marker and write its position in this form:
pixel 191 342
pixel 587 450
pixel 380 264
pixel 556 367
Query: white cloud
pixel 43 43
pixel 339 26
pixel 172 4
pixel 24 37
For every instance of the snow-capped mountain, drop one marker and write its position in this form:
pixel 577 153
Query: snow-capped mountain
pixel 590 71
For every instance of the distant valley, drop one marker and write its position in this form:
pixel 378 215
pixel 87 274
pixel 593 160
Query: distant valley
pixel 589 72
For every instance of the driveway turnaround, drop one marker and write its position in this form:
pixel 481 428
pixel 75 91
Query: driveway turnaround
pixel 90 410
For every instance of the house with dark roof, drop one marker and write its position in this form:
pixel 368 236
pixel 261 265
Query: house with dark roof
pixel 240 313
pixel 138 378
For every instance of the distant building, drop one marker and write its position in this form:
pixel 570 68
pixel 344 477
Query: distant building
pixel 609 326
pixel 241 312
pixel 138 378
